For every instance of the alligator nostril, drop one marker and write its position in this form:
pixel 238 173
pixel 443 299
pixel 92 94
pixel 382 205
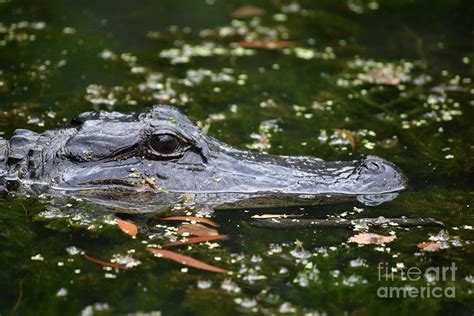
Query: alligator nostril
pixel 372 165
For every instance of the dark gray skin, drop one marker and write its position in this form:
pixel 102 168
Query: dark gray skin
pixel 149 161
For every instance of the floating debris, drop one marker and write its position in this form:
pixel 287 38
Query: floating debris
pixel 229 286
pixel 196 230
pixel 429 246
pixel 380 73
pixel 103 263
pixel 247 11
pixel 127 227
pixel 299 252
pixel 371 239
pixel 182 259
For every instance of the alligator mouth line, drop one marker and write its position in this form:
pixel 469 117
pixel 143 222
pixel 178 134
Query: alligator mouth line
pixel 110 184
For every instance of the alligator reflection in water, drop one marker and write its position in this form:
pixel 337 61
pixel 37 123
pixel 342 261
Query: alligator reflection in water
pixel 147 161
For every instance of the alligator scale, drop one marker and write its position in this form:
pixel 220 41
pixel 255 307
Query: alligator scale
pixel 109 158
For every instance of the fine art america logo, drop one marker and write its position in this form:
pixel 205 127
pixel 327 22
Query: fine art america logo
pixel 432 275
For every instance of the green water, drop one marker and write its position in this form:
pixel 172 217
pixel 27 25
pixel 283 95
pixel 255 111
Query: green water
pixel 396 74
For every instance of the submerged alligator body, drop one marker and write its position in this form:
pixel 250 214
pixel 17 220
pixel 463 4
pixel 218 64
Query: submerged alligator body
pixel 144 162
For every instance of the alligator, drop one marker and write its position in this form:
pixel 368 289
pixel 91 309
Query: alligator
pixel 145 162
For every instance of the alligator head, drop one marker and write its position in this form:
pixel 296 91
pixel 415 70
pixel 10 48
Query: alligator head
pixel 147 161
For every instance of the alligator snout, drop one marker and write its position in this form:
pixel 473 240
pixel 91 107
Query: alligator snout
pixel 377 175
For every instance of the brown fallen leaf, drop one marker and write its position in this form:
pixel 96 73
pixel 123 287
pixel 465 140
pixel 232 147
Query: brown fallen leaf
pixel 371 239
pixel 191 219
pixel 127 227
pixel 267 216
pixel 104 263
pixel 266 44
pixel 349 135
pixel 196 230
pixel 429 246
pixel 247 11
pixel 151 183
pixel 185 260
pixel 194 240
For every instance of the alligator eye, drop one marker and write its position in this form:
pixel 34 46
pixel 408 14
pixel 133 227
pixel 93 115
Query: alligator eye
pixel 166 144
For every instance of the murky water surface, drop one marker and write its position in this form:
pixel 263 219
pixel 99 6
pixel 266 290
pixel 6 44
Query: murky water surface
pixel 333 79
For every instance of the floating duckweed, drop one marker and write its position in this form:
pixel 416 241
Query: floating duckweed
pixel 184 53
pixel 92 309
pixel 368 145
pixel 287 308
pixel 353 280
pixel 72 250
pixel 283 270
pixel 280 17
pixel 293 7
pixel 304 53
pixel 299 252
pixel 97 95
pixel 108 55
pixel 254 276
pixel 361 7
pixel 265 131
pixel 204 284
pixel 127 260
pixel 246 302
pixel 37 257
pixel 373 5
pixel 19 32
pixel 230 286
pixel 371 71
pixel 268 104
pixel 357 263
pixel 69 30
pixel 62 292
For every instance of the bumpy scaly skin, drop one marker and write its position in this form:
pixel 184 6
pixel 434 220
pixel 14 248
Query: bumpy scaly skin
pixel 107 157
